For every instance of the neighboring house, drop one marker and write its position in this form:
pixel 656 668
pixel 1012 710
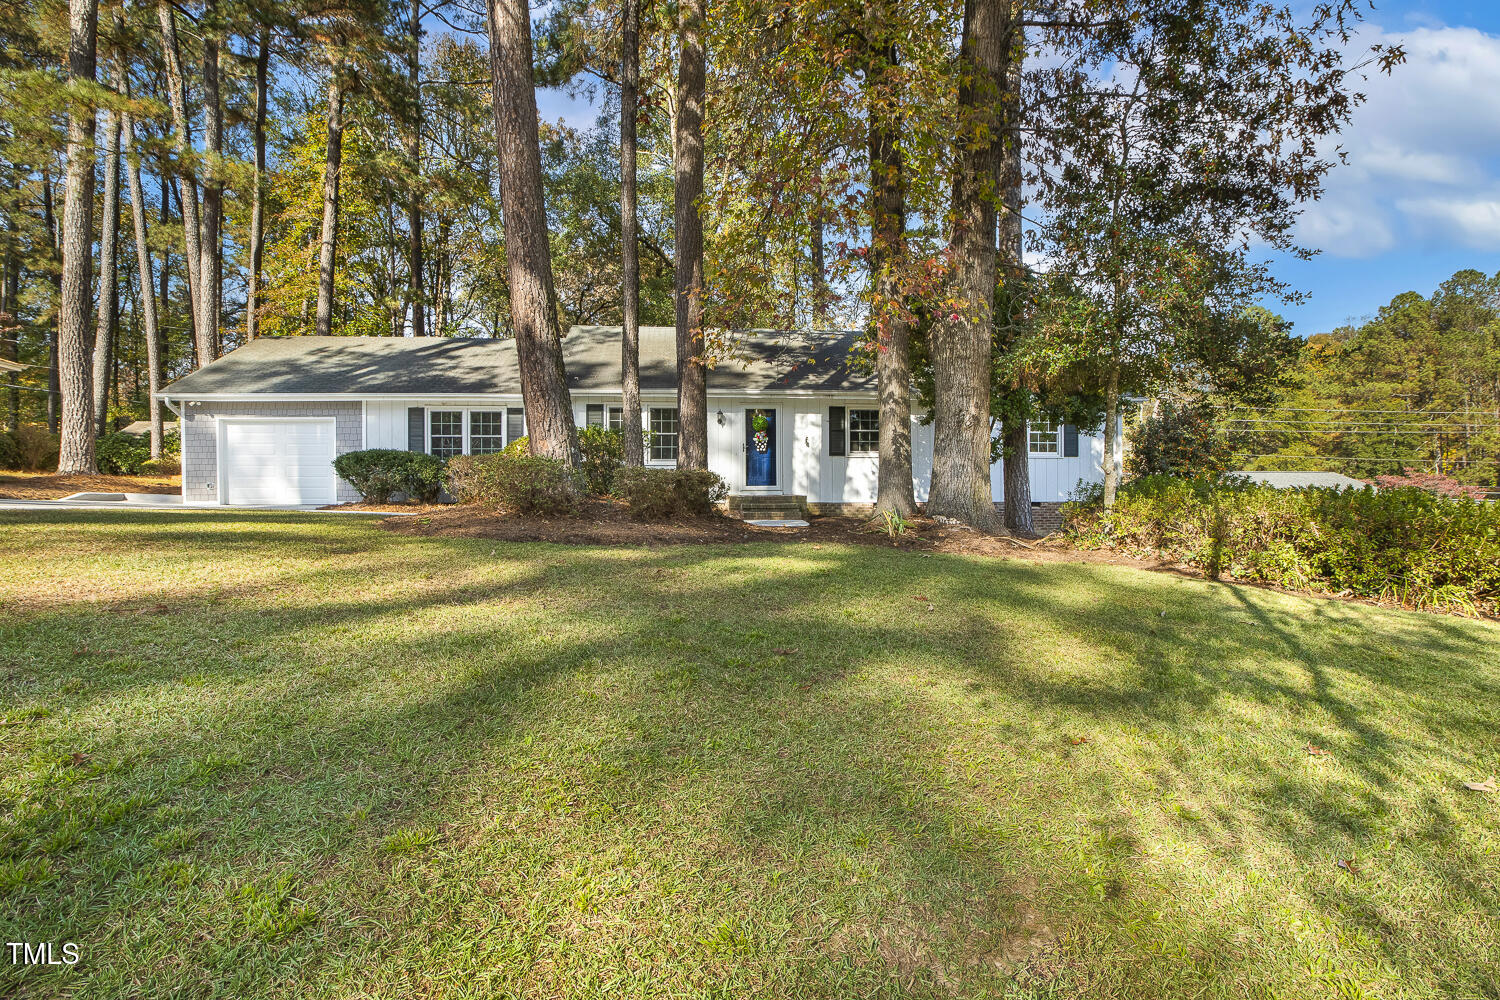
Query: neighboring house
pixel 262 424
pixel 1302 480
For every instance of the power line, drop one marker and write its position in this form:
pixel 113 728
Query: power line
pixel 1310 409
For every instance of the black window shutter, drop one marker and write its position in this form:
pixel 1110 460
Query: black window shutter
pixel 515 424
pixel 593 414
pixel 1070 440
pixel 838 438
pixel 416 428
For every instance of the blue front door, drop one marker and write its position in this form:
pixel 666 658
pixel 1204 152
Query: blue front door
pixel 760 447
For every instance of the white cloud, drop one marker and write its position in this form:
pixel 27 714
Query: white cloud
pixel 1423 151
pixel 1473 222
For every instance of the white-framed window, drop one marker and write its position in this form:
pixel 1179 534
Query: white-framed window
pixel 599 415
pixel 445 433
pixel 1044 436
pixel 864 432
pixel 486 431
pixel 663 427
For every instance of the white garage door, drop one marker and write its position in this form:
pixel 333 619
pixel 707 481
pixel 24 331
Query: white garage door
pixel 276 461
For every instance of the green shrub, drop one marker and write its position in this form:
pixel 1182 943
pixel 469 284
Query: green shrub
pixel 1182 440
pixel 519 447
pixel 29 447
pixel 122 454
pixel 380 473
pixel 1404 545
pixel 603 457
pixel 661 494
pixel 167 465
pixel 517 483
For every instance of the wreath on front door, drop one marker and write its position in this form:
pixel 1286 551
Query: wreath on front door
pixel 761 438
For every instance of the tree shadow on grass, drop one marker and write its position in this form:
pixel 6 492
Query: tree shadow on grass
pixel 750 769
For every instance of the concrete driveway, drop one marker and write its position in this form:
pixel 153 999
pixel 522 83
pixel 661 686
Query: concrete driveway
pixel 166 502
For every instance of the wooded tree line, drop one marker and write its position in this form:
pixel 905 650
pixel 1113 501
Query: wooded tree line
pixel 1416 387
pixel 1032 208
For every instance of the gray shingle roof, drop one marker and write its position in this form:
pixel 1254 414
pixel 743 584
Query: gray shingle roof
pixel 1300 480
pixel 422 366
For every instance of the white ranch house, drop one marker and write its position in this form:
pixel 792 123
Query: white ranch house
pixel 262 425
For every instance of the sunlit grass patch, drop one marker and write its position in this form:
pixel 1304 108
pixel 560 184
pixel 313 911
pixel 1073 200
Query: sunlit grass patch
pixel 281 755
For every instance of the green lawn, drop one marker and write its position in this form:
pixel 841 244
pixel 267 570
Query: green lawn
pixel 296 755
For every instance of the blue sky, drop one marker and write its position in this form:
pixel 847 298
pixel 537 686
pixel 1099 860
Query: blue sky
pixel 1420 196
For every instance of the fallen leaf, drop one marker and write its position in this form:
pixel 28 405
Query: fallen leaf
pixel 786 652
pixel 1349 865
pixel 918 597
pixel 1078 740
pixel 931 608
pixel 79 758
pixel 1315 751
pixel 1482 786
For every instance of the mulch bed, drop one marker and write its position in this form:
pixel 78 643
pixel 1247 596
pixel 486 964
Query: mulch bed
pixel 50 486
pixel 604 522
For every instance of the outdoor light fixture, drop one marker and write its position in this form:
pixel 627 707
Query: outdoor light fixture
pixel 721 418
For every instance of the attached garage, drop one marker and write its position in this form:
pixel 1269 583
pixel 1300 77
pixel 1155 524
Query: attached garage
pixel 277 460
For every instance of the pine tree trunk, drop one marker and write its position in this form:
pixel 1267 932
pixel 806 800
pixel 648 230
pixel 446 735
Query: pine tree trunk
pixel 108 316
pixel 1016 448
pixel 10 309
pixel 631 432
pixel 152 329
pixel 894 493
pixel 961 340
pixel 187 187
pixel 54 240
pixel 414 203
pixel 816 238
pixel 328 248
pixel 212 268
pixel 533 306
pixel 258 194
pixel 76 455
pixel 692 373
pixel 1112 451
pixel 1014 432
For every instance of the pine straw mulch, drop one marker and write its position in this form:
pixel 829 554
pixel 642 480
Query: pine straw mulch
pixel 51 486
pixel 605 522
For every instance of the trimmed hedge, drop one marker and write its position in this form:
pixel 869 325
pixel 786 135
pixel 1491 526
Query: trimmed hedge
pixel 379 473
pixel 661 494
pixel 518 483
pixel 1405 545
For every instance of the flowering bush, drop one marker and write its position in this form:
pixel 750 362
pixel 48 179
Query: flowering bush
pixel 1432 482
pixel 1404 545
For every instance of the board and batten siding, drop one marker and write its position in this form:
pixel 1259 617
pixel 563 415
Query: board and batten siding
pixel 804 465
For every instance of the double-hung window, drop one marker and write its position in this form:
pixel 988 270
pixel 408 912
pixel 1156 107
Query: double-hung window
pixel 486 431
pixel 663 427
pixel 1043 435
pixel 445 433
pixel 864 432
pixel 599 415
